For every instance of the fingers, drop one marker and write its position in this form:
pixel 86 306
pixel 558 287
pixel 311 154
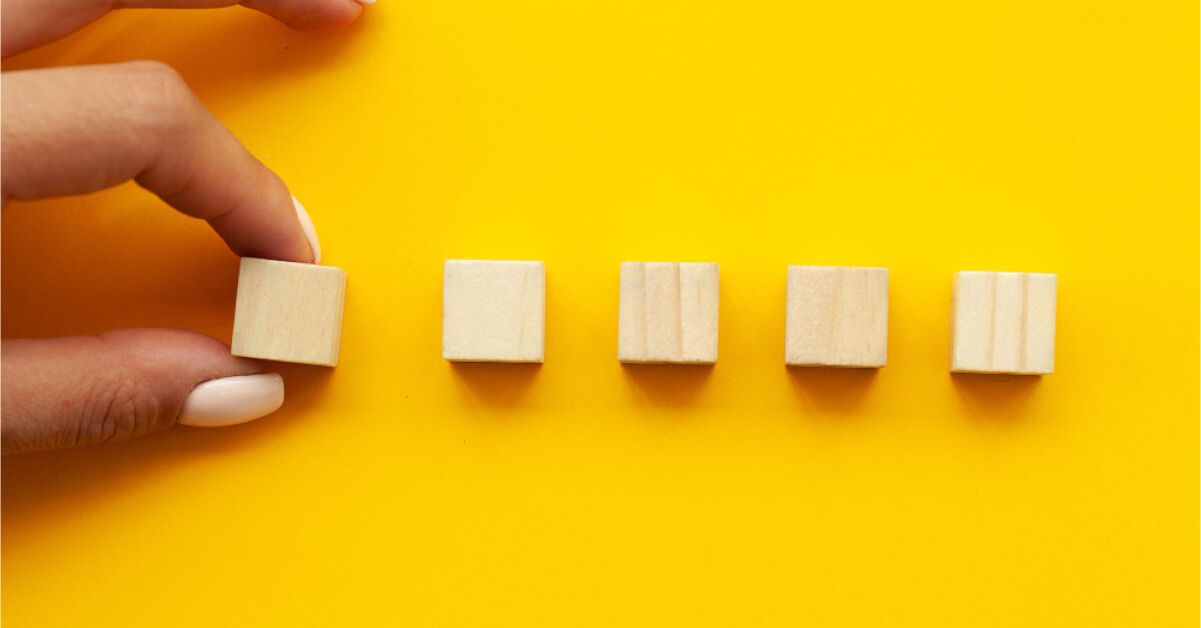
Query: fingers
pixel 79 129
pixel 29 23
pixel 304 14
pixel 64 392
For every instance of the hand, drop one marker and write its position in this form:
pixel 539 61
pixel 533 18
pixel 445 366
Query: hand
pixel 80 129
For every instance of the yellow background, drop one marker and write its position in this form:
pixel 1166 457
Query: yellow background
pixel 399 489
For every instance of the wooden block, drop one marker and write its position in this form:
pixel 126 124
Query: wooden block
pixel 668 313
pixel 1003 323
pixel 836 316
pixel 289 312
pixel 493 311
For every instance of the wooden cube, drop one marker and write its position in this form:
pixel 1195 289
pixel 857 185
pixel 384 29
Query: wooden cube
pixel 668 313
pixel 836 316
pixel 493 311
pixel 289 312
pixel 1003 323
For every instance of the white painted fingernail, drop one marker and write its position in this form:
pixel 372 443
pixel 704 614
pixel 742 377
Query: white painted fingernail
pixel 310 232
pixel 232 400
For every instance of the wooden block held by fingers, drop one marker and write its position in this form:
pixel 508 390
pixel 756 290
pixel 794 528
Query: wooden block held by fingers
pixel 836 316
pixel 668 313
pixel 289 312
pixel 1003 323
pixel 493 311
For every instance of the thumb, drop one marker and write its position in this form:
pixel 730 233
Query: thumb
pixel 63 392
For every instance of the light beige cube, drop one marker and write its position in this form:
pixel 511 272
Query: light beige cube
pixel 836 316
pixel 1003 323
pixel 493 311
pixel 289 312
pixel 668 313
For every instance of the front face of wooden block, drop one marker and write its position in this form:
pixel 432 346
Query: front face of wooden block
pixel 837 316
pixel 289 312
pixel 1003 323
pixel 668 313
pixel 493 311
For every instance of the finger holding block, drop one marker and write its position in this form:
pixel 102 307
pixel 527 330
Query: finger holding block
pixel 836 316
pixel 668 313
pixel 493 311
pixel 289 312
pixel 1003 323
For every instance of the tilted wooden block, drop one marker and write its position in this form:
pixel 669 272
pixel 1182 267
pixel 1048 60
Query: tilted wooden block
pixel 493 311
pixel 1003 323
pixel 289 312
pixel 668 313
pixel 836 316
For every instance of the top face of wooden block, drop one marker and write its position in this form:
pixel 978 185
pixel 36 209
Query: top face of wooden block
pixel 836 316
pixel 668 313
pixel 1003 323
pixel 493 311
pixel 289 312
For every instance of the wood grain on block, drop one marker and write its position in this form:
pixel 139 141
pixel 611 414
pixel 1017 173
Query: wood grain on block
pixel 493 311
pixel 1003 323
pixel 289 312
pixel 668 313
pixel 836 316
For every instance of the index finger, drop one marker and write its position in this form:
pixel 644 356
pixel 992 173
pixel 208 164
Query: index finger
pixel 29 23
pixel 79 129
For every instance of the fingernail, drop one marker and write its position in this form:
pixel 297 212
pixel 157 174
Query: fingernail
pixel 232 400
pixel 365 2
pixel 310 232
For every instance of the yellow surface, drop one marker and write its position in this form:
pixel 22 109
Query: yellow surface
pixel 398 489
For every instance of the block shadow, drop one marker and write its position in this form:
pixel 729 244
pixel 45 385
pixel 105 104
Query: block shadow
pixel 830 389
pixel 43 487
pixel 667 385
pixel 497 384
pixel 995 397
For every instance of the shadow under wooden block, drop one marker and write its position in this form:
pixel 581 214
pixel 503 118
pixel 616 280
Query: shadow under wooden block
pixel 667 385
pixel 834 390
pixel 995 397
pixel 498 384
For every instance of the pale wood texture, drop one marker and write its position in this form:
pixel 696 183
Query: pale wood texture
pixel 668 313
pixel 493 311
pixel 836 316
pixel 289 312
pixel 1003 323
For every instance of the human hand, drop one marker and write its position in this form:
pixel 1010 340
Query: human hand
pixel 79 129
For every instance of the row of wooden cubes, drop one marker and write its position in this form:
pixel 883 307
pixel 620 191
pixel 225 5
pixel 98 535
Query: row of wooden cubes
pixel 494 311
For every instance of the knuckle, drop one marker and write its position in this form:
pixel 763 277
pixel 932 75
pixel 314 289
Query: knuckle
pixel 118 407
pixel 274 188
pixel 161 99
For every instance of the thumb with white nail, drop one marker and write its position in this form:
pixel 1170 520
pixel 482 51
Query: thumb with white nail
pixel 77 390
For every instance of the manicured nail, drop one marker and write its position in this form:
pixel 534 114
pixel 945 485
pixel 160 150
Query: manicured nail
pixel 233 400
pixel 365 2
pixel 310 232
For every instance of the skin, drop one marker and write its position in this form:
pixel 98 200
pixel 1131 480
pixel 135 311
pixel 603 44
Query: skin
pixel 79 129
